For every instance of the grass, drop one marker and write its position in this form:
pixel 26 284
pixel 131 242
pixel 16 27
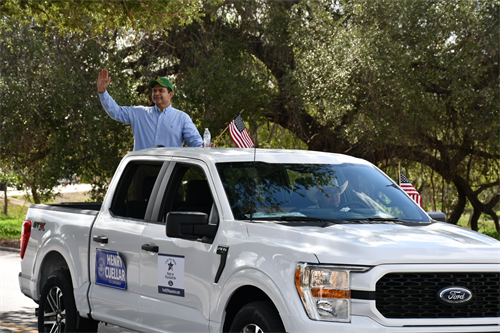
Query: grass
pixel 491 233
pixel 485 223
pixel 10 229
pixel 10 225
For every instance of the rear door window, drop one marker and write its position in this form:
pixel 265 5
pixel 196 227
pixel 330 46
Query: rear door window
pixel 134 191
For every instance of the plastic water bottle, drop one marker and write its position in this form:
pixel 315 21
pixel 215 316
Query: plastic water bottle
pixel 206 138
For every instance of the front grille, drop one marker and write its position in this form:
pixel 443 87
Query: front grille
pixel 414 295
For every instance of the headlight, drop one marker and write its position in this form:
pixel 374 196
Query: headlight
pixel 325 290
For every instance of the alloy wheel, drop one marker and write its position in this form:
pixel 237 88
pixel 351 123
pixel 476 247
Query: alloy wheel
pixel 55 315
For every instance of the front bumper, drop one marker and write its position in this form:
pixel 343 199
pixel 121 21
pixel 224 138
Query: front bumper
pixel 360 324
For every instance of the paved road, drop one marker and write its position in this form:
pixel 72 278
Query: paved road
pixel 17 312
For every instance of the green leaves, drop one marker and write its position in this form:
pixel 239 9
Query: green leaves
pixel 389 81
pixel 52 124
pixel 94 19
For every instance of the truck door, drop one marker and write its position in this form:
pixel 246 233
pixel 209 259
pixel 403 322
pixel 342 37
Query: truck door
pixel 177 274
pixel 115 245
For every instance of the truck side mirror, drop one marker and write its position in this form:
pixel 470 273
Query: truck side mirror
pixel 190 225
pixel 438 216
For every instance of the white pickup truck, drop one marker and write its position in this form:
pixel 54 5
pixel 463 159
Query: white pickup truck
pixel 243 240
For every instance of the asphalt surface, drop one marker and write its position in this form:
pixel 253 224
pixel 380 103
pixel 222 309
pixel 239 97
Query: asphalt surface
pixel 17 312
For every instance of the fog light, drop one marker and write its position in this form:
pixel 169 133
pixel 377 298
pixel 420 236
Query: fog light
pixel 336 308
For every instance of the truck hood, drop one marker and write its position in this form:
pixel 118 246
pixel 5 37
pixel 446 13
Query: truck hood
pixel 373 244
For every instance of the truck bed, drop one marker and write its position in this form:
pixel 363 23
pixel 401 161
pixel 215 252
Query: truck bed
pixel 74 207
pixel 62 228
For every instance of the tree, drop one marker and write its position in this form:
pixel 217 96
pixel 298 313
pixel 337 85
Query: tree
pixel 383 80
pixel 435 102
pixel 389 81
pixel 6 178
pixel 96 19
pixel 52 124
pixel 3 188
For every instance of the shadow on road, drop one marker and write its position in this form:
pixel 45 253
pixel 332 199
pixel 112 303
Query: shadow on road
pixel 26 319
pixel 21 318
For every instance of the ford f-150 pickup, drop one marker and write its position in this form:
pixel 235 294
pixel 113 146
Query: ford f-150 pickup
pixel 244 240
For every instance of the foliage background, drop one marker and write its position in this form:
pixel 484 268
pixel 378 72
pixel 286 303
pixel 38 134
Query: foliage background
pixel 410 82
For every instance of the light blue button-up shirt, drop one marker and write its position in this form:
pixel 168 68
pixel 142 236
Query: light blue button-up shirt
pixel 151 127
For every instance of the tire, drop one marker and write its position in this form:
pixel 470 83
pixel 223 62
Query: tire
pixel 57 309
pixel 257 317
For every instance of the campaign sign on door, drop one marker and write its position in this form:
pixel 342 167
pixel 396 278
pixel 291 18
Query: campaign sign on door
pixel 110 269
pixel 171 275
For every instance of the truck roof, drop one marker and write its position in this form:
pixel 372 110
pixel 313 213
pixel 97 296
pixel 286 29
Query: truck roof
pixel 249 155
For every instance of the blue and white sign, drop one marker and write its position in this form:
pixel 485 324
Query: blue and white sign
pixel 110 269
pixel 171 274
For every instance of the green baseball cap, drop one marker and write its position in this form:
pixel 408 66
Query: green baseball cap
pixel 162 81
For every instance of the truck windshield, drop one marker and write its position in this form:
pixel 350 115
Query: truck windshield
pixel 343 192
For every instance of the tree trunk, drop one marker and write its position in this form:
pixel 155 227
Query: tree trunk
pixel 5 211
pixel 495 219
pixel 34 194
pixel 474 225
pixel 459 207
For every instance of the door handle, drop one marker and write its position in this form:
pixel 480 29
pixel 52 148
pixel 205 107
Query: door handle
pixel 100 239
pixel 150 248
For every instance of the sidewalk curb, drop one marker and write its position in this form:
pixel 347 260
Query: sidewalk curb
pixel 10 249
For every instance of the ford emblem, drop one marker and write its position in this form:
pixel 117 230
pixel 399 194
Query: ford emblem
pixel 454 295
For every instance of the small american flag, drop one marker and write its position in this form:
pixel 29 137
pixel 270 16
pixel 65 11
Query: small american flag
pixel 410 190
pixel 239 133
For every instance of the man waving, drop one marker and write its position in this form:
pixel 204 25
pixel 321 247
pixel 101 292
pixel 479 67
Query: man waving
pixel 159 125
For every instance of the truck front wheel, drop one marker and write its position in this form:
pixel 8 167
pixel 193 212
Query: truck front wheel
pixel 257 317
pixel 57 309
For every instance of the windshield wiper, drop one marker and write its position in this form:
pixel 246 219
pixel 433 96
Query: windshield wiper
pixel 386 220
pixel 300 221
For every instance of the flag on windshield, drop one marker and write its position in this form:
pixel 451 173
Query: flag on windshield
pixel 405 184
pixel 239 133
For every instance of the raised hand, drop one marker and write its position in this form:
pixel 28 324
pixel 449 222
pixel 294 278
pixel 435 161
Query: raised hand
pixel 103 81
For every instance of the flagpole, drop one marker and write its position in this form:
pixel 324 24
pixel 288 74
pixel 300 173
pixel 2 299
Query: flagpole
pixel 399 172
pixel 217 139
pixel 225 129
